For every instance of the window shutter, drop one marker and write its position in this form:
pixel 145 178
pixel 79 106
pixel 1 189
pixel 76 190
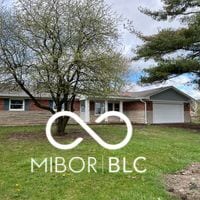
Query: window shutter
pixel 6 104
pixel 27 101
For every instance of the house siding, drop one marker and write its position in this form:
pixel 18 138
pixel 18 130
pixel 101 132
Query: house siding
pixel 135 111
pixel 32 114
pixel 1 104
pixel 33 107
pixel 77 106
pixel 170 95
pixel 24 118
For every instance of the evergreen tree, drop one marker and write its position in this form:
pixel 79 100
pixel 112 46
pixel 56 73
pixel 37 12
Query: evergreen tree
pixel 184 40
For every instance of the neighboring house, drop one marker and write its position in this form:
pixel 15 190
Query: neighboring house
pixel 156 106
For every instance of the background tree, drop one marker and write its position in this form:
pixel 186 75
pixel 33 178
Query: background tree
pixel 182 44
pixel 62 47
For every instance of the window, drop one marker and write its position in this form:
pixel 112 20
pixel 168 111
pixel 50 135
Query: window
pixel 113 107
pixel 16 104
pixel 99 108
pixel 110 106
pixel 116 107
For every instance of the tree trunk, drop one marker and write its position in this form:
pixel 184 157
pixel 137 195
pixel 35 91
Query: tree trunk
pixel 61 124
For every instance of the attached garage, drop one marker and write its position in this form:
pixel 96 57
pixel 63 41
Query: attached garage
pixel 170 106
pixel 168 113
pixel 161 106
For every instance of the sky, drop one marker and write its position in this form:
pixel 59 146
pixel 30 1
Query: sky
pixel 128 10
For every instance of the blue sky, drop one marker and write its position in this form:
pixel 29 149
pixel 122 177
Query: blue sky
pixel 128 9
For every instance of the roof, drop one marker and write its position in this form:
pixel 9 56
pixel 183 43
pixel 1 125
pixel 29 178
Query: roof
pixel 146 94
pixel 22 94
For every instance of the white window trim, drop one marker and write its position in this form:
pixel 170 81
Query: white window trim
pixel 22 109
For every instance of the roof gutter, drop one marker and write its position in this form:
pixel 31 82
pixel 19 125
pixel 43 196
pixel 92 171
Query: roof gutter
pixel 145 111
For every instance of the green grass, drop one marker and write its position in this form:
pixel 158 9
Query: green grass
pixel 167 150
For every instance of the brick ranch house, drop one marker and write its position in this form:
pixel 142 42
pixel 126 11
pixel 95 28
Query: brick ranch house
pixel 156 106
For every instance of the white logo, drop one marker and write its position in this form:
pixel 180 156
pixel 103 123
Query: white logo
pixel 98 139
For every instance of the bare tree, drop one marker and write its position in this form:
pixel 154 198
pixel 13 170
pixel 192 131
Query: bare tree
pixel 63 47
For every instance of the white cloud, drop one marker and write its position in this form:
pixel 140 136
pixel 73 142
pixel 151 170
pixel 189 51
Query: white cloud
pixel 129 9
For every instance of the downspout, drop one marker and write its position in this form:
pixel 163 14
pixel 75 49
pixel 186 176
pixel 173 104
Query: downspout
pixel 145 111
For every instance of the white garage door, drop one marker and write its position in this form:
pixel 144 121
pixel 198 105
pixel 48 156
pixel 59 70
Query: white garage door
pixel 168 113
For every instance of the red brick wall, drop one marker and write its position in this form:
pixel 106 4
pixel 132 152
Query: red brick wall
pixel 1 104
pixel 135 105
pixel 149 106
pixel 77 106
pixel 186 106
pixel 33 107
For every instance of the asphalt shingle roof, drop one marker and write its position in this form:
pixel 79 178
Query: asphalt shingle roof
pixel 148 93
pixel 127 95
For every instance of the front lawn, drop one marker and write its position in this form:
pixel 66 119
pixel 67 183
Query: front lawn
pixel 167 150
